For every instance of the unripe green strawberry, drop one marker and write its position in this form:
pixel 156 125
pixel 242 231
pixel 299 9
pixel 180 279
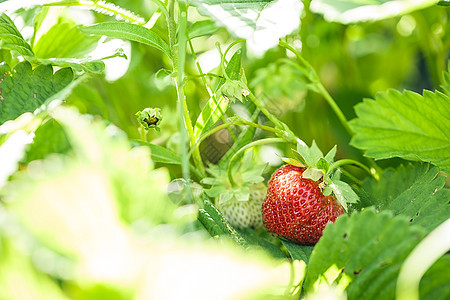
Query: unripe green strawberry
pixel 244 214
pixel 295 207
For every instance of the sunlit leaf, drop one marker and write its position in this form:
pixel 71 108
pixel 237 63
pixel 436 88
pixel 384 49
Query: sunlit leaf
pixel 218 105
pixel 64 40
pixel 24 90
pixel 261 23
pixel 202 28
pixel 362 254
pixel 49 138
pixel 349 11
pixel 127 31
pixel 10 37
pixel 405 125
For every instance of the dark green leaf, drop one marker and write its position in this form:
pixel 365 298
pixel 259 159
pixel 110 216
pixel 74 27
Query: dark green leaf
pixel 262 242
pixel 298 252
pixel 127 31
pixel 24 90
pixel 10 37
pixel 213 219
pixel 414 191
pixel 435 283
pixel 405 125
pixel 362 254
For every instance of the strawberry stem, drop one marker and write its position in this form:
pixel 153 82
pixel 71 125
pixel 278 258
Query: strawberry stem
pixel 372 172
pixel 239 122
pixel 248 146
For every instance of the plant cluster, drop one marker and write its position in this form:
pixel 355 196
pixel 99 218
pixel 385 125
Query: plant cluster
pixel 160 149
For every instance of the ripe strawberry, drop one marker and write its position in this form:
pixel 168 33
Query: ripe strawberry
pixel 295 207
pixel 244 214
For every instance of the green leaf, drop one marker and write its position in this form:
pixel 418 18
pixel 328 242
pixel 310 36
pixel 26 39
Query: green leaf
pixel 444 3
pixel 262 23
pixel 344 193
pixel 216 108
pixel 435 283
pixel 298 252
pixel 63 40
pixel 127 31
pixel 392 183
pixel 446 77
pixel 331 154
pixel 362 254
pixel 25 90
pixel 215 223
pixel 78 65
pixel 405 125
pixel 49 138
pixel 262 241
pixel 202 28
pixel 350 11
pixel 10 37
pixel 414 191
pixel 159 153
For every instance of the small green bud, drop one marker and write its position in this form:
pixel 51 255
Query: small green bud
pixel 149 118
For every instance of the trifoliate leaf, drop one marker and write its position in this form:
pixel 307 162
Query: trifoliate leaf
pixel 405 125
pixel 362 254
pixel 25 90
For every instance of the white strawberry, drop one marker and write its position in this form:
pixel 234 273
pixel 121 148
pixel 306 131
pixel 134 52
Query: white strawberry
pixel 244 214
pixel 240 202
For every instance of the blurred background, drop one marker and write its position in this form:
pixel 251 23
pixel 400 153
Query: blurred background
pixel 77 223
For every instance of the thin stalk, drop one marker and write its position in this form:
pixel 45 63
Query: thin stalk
pixel 178 48
pixel 314 78
pixel 372 172
pixel 283 129
pixel 208 89
pixel 248 146
pixel 240 122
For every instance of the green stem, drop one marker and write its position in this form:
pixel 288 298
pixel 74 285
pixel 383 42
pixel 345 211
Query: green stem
pixel 372 172
pixel 283 129
pixel 314 78
pixel 179 58
pixel 208 89
pixel 240 122
pixel 248 146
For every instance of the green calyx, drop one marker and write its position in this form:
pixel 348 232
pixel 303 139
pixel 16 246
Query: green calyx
pixel 149 118
pixel 323 168
pixel 246 174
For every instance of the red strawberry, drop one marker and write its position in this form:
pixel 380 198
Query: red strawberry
pixel 295 207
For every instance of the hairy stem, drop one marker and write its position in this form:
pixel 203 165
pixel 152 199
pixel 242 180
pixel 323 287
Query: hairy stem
pixel 248 146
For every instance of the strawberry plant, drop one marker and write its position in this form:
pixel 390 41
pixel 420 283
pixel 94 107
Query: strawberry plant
pixel 175 149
